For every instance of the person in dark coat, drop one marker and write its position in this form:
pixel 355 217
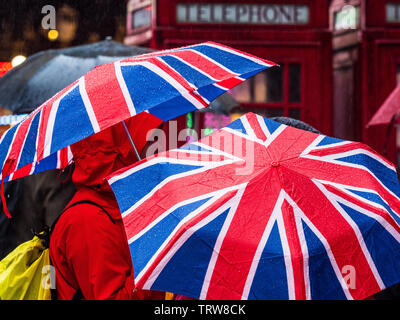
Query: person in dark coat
pixel 88 246
pixel 34 203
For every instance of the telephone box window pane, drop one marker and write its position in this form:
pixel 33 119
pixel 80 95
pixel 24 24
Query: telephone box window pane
pixel 294 82
pixel 141 17
pixel 241 92
pixel 266 86
pixel 392 12
pixel 295 113
pixel 260 88
pixel 274 77
pixel 273 112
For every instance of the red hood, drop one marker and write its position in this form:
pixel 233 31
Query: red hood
pixel 109 150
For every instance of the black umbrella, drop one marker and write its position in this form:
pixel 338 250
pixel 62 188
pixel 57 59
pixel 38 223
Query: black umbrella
pixel 295 123
pixel 45 73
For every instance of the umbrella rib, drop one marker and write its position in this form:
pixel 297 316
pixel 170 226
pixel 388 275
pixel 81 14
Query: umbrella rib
pixel 131 140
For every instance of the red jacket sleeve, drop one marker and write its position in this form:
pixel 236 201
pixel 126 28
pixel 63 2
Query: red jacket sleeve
pixel 95 253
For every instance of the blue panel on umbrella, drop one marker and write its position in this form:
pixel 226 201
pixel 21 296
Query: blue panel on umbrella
pixel 47 163
pixel 324 284
pixel 210 92
pixel 67 122
pixel 384 174
pixel 229 60
pixel 189 264
pixel 168 109
pixel 270 280
pixel 191 75
pixel 382 246
pixel 29 149
pixel 204 85
pixel 144 181
pixel 271 125
pixel 328 140
pixel 145 86
pixel 377 199
pixel 237 125
pixel 143 248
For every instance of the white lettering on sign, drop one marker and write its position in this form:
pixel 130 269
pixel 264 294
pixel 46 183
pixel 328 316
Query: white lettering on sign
pixel 393 12
pixel 242 13
pixel 347 18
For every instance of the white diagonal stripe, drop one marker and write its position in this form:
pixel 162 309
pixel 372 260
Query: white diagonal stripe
pixel 88 105
pixel 124 88
pixel 218 243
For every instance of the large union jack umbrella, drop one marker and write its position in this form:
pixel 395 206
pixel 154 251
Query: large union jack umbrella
pixel 261 210
pixel 165 84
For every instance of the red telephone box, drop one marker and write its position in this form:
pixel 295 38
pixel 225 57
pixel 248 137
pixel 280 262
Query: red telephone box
pixel 367 68
pixel 293 33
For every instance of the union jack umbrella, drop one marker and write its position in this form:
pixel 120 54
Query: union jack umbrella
pixel 165 84
pixel 261 210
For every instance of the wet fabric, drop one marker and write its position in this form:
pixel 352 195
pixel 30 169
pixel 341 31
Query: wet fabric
pixel 25 272
pixel 260 210
pixel 88 246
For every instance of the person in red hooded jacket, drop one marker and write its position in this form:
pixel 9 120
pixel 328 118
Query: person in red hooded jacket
pixel 88 246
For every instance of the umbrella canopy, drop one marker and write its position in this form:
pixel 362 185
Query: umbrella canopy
pixel 261 210
pixel 45 73
pixel 165 84
pixel 388 110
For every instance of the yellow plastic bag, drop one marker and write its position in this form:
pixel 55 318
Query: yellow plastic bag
pixel 24 272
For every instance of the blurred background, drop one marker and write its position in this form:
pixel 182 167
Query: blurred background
pixel 339 60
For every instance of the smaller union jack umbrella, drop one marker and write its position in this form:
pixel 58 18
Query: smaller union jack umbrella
pixel 261 210
pixel 165 84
